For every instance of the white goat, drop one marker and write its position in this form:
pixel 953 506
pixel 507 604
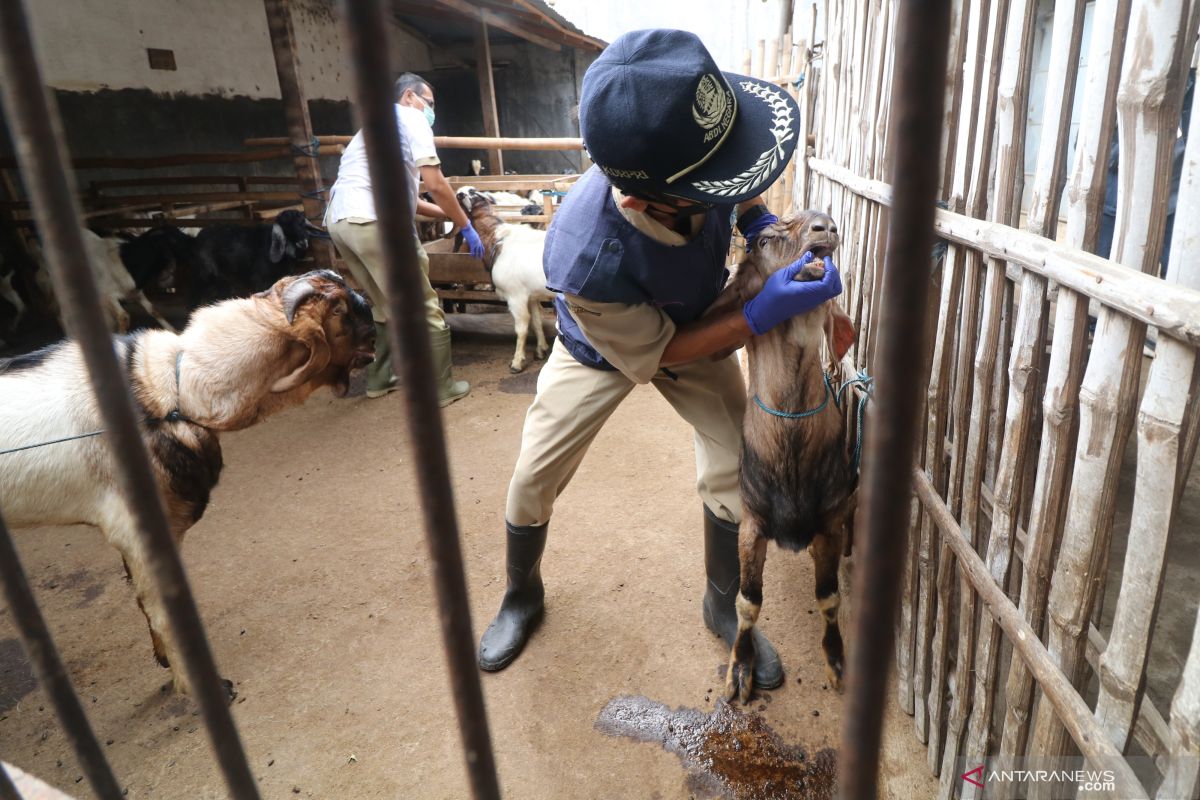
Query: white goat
pixel 236 363
pixel 513 256
pixel 116 284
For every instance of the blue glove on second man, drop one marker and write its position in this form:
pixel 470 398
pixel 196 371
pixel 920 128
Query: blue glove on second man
pixel 783 297
pixel 473 241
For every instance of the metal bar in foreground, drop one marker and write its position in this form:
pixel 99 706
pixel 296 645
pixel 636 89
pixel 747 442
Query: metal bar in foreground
pixel 36 135
pixel 366 30
pixel 922 33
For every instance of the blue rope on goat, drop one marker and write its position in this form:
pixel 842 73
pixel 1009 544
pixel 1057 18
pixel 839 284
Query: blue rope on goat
pixel 798 414
pixel 52 441
pixel 868 384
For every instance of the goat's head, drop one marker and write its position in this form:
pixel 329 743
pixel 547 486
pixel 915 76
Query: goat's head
pixel 474 202
pixel 321 300
pixel 785 241
pixel 289 236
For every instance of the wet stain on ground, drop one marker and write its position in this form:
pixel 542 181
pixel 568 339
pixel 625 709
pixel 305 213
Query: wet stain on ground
pixel 521 383
pixel 16 675
pixel 80 582
pixel 727 752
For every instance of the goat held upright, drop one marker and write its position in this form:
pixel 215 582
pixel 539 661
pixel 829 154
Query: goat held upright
pixel 798 479
pixel 235 363
pixel 513 256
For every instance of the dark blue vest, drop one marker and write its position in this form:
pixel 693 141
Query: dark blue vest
pixel 592 251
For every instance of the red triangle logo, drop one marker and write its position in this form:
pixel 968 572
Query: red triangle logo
pixel 978 772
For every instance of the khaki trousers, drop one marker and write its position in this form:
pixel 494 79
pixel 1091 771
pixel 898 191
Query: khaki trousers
pixel 357 241
pixel 572 404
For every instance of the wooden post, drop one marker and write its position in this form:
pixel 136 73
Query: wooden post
pixel 295 108
pixel 487 94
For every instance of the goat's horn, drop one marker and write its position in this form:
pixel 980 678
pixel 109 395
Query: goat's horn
pixel 294 295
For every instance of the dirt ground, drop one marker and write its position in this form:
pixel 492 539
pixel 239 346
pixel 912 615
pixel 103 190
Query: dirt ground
pixel 312 575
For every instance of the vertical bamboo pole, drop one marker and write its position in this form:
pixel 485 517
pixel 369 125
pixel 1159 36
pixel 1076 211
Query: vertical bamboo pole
pixel 295 108
pixel 1161 419
pixel 959 26
pixel 1183 269
pixel 487 94
pixel 1023 371
pixel 1063 375
pixel 1056 118
pixel 1182 776
pixel 973 410
pixel 1010 130
pixel 966 263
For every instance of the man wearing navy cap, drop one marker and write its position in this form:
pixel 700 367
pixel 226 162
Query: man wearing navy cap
pixel 637 254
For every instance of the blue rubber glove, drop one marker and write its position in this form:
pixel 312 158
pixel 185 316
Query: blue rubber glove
pixel 755 228
pixel 783 297
pixel 473 241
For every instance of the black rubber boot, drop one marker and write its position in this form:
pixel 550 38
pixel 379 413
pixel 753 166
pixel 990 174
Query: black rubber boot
pixel 522 607
pixel 720 597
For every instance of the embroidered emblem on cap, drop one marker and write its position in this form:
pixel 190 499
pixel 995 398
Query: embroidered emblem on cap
pixel 769 159
pixel 710 102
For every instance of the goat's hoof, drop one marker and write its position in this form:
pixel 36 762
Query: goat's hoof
pixel 542 352
pixel 229 690
pixel 739 681
pixel 834 673
pixel 516 368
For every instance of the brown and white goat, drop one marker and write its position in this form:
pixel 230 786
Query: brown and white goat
pixel 236 363
pixel 797 480
pixel 513 256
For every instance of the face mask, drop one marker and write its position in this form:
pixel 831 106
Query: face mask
pixel 429 115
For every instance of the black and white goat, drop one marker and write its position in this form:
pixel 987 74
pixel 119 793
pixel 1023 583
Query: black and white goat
pixel 799 472
pixel 513 256
pixel 235 363
pixel 152 256
pixel 239 260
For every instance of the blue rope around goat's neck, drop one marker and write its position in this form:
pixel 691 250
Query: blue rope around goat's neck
pixel 861 379
pixel 174 415
pixel 867 382
pixel 798 414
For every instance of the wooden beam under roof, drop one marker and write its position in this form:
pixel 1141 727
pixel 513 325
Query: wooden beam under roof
pixel 434 47
pixel 527 11
pixel 502 21
pixel 487 95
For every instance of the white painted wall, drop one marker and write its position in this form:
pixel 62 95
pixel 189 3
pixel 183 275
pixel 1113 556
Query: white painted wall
pixel 727 27
pixel 221 46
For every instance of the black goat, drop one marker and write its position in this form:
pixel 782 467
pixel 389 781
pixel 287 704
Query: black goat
pixel 238 261
pixel 153 256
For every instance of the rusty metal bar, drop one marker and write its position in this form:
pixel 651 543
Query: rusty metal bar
pixel 366 28
pixel 922 33
pixel 36 134
pixel 52 675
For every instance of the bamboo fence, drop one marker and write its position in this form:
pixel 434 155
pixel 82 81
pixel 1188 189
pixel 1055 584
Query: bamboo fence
pixel 1035 373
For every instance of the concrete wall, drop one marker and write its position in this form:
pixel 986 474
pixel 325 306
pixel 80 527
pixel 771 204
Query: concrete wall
pixel 221 47
pixel 224 88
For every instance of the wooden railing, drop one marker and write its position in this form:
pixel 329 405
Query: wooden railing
pixel 1034 377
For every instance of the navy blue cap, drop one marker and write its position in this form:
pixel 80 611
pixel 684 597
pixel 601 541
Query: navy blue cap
pixel 658 116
